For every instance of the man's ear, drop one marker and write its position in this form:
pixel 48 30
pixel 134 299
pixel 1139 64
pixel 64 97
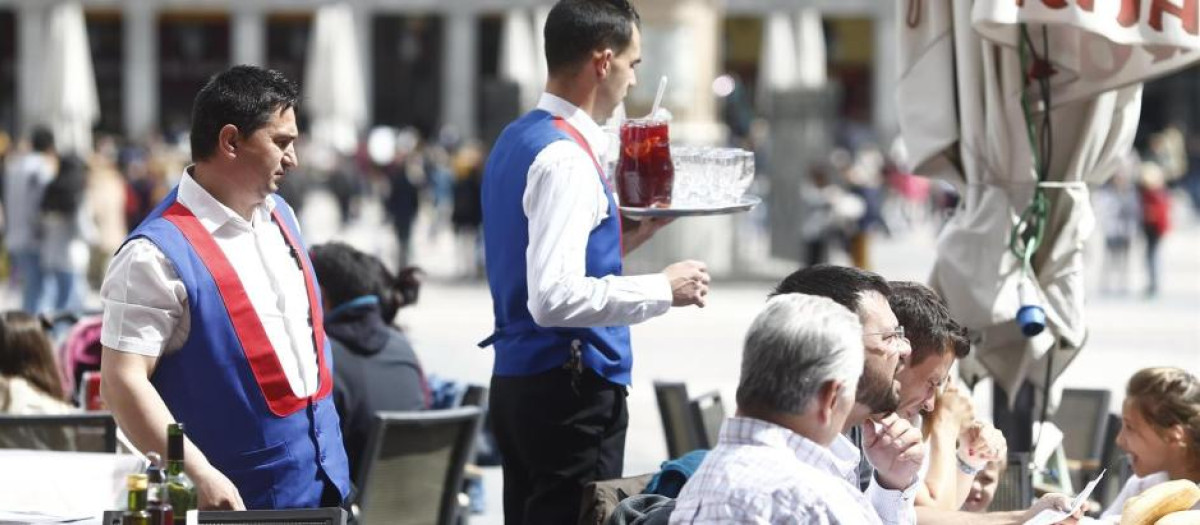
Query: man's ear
pixel 227 141
pixel 827 398
pixel 602 62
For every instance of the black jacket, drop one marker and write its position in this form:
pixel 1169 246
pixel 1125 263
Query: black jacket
pixel 374 369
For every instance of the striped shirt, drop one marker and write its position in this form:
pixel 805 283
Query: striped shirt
pixel 760 472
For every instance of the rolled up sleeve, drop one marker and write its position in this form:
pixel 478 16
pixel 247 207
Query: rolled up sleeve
pixel 145 302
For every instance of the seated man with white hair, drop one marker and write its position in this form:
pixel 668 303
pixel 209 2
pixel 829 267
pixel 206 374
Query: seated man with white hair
pixel 801 362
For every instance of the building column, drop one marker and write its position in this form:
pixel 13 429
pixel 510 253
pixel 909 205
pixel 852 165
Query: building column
pixel 364 22
pixel 31 30
pixel 886 73
pixel 248 38
pixel 140 88
pixel 458 71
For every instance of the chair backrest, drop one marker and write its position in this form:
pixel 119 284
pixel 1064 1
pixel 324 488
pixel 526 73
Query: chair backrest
pixel 1081 416
pixel 326 516
pixel 78 432
pixel 474 396
pixel 1014 489
pixel 708 414
pixel 1114 461
pixel 678 422
pixel 413 468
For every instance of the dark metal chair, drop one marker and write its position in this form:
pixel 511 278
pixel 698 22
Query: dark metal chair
pixel 708 413
pixel 1082 416
pixel 1014 489
pixel 1112 459
pixel 679 425
pixel 78 432
pixel 413 469
pixel 474 396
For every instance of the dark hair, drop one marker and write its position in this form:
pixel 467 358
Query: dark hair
pixel 42 139
pixel 245 96
pixel 844 284
pixel 64 194
pixel 576 28
pixel 346 274
pixel 27 353
pixel 927 322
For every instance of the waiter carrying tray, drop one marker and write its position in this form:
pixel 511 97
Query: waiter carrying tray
pixel 212 315
pixel 553 243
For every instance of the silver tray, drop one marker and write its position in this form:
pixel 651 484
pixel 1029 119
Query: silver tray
pixel 746 203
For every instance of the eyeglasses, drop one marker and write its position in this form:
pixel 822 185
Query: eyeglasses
pixel 891 337
pixel 939 386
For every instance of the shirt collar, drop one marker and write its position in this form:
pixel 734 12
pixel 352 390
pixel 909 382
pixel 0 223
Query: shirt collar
pixel 210 212
pixel 750 431
pixel 846 456
pixel 577 118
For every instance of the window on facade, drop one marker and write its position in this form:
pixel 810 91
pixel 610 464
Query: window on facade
pixel 192 48
pixel 407 63
pixel 8 72
pixel 105 39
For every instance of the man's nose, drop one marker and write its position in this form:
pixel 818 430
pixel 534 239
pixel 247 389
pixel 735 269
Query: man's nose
pixel 927 404
pixel 290 160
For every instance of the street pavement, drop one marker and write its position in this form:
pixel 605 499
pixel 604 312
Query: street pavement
pixel 702 346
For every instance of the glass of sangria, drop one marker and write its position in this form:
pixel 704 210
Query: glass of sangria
pixel 645 171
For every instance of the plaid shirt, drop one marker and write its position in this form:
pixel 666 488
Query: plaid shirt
pixel 760 472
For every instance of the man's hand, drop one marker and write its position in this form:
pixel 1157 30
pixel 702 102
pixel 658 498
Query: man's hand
pixel 1054 501
pixel 689 283
pixel 954 408
pixel 635 233
pixel 214 491
pixel 895 450
pixel 980 443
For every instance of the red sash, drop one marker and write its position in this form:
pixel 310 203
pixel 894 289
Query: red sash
pixel 256 346
pixel 567 128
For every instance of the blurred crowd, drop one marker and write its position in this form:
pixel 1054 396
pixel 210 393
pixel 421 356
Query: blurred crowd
pixel 65 214
pixel 856 194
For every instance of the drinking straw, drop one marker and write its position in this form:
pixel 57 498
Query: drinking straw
pixel 662 88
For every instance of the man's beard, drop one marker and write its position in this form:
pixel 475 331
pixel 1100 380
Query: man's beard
pixel 877 392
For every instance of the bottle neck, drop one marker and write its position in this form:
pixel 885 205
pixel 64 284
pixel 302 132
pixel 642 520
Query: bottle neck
pixel 174 467
pixel 137 500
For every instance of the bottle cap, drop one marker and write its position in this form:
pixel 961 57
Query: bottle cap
pixel 135 482
pixel 154 472
pixel 1031 319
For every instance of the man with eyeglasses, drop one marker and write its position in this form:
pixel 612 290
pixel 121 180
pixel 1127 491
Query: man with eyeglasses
pixel 959 446
pixel 890 444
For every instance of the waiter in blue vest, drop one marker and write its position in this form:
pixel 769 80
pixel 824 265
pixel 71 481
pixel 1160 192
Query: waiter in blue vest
pixel 212 315
pixel 553 243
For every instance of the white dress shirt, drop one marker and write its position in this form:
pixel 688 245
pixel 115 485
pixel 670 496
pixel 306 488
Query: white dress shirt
pixel 760 472
pixel 893 506
pixel 146 306
pixel 564 201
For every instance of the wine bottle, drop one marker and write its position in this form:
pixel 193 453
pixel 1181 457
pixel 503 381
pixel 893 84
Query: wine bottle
pixel 158 502
pixel 135 510
pixel 180 489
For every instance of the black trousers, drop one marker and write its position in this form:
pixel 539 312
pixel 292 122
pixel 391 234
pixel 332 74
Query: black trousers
pixel 555 437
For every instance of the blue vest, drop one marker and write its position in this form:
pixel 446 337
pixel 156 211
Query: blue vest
pixel 522 346
pixel 226 384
